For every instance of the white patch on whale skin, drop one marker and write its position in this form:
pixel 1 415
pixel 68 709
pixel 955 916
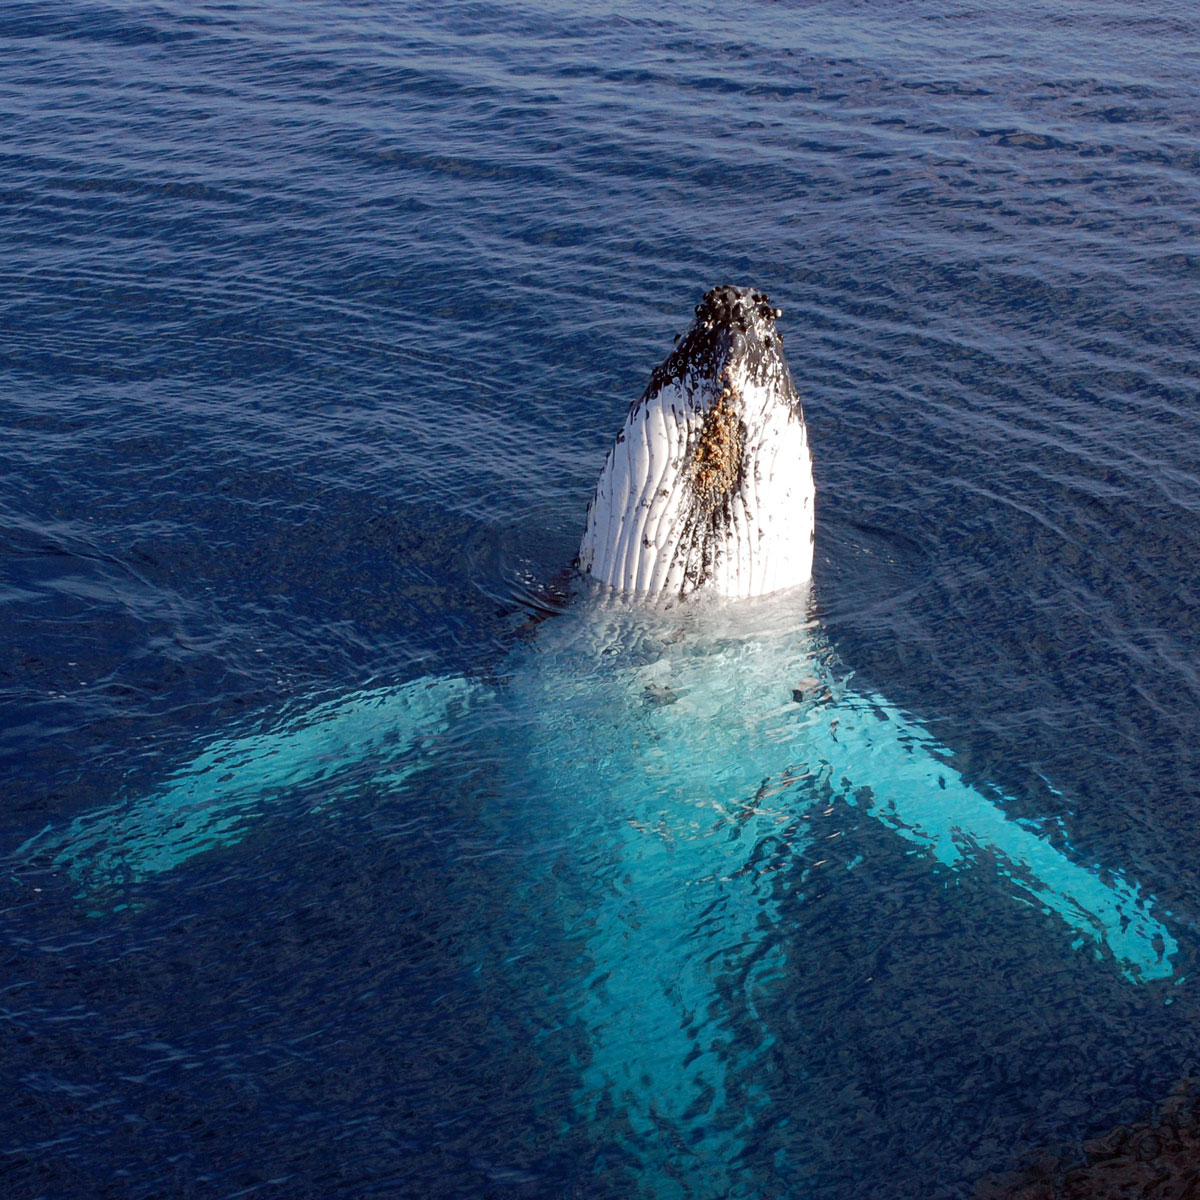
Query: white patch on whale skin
pixel 649 530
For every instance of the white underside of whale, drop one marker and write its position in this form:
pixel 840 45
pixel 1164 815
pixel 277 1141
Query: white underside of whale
pixel 670 750
pixel 707 719
pixel 638 539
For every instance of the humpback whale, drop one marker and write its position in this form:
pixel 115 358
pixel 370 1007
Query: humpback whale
pixel 678 723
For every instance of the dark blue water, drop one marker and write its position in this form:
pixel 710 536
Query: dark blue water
pixel 315 322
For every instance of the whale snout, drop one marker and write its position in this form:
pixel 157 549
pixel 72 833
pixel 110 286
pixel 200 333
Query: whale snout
pixel 736 306
pixel 732 325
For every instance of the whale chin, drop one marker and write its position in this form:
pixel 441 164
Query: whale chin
pixel 709 483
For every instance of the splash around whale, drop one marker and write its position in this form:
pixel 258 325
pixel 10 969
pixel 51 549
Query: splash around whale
pixel 678 744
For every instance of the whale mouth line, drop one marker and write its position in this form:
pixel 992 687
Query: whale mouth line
pixel 709 485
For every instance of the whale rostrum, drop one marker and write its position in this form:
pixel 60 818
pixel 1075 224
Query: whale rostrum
pixel 709 483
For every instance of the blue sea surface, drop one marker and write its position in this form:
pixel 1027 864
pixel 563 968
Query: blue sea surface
pixel 316 321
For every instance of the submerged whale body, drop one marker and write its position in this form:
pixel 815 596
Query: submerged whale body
pixel 680 743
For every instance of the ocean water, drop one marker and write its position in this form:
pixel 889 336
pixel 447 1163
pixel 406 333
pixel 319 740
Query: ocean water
pixel 316 322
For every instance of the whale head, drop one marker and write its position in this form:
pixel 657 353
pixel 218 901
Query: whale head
pixel 709 483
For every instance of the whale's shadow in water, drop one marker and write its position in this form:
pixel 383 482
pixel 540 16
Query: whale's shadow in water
pixel 682 753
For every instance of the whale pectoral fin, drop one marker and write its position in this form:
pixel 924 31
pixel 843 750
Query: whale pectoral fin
pixel 213 800
pixel 884 762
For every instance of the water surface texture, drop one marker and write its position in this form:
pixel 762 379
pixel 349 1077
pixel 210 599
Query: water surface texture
pixel 316 321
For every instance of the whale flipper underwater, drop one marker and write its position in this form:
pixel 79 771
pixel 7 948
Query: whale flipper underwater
pixel 679 721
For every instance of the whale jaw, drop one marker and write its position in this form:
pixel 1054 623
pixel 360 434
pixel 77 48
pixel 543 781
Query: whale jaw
pixel 709 484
